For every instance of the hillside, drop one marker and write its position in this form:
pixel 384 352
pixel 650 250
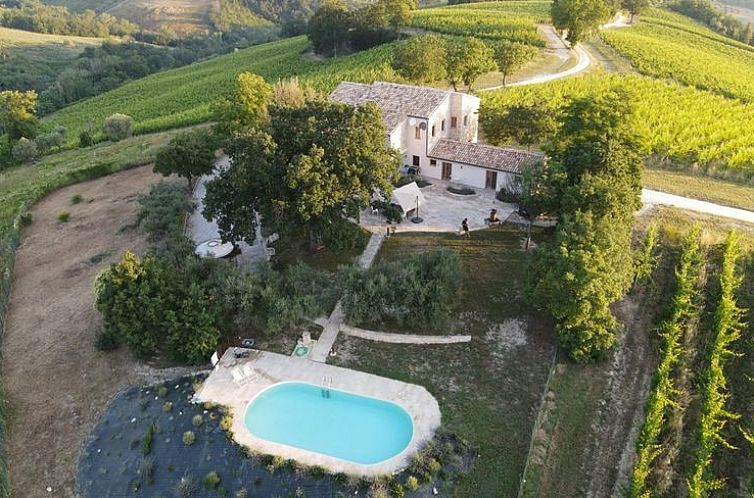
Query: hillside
pixel 664 45
pixel 183 96
pixel 27 58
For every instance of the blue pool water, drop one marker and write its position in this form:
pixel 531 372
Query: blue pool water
pixel 345 426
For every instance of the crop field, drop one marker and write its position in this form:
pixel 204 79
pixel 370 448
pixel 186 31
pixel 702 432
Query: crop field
pixel 513 21
pixel 676 124
pixel 666 47
pixel 183 96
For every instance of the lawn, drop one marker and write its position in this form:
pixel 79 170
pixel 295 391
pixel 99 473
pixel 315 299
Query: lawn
pixel 700 187
pixel 490 389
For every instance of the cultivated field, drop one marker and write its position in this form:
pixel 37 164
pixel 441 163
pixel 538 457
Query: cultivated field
pixel 666 47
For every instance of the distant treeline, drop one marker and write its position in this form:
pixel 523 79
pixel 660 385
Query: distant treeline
pixel 707 13
pixel 33 15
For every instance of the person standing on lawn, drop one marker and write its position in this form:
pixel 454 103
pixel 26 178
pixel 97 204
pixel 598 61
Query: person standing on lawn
pixel 465 228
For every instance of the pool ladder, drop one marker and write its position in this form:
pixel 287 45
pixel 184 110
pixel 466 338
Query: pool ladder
pixel 326 385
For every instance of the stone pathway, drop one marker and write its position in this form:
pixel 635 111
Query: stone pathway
pixel 321 350
pixel 403 338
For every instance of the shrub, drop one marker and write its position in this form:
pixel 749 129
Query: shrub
pixel 415 292
pixel 242 493
pixel 146 442
pixel 76 199
pixel 25 219
pixel 162 391
pixel 379 490
pixel 161 214
pixel 189 438
pixel 106 340
pixel 226 422
pixel 86 138
pixel 146 468
pixel 46 142
pixel 197 421
pixel 412 483
pixel 397 490
pixel 167 406
pixel 341 235
pixel 274 301
pixel 211 480
pixel 64 216
pixel 185 487
pixel 118 127
pixel 24 151
pixel 391 212
pixel 507 194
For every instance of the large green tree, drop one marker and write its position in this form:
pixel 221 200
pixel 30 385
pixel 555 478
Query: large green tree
pixel 524 124
pixel 580 18
pixel 148 304
pixel 593 183
pixel 189 155
pixel 17 117
pixel 245 108
pixel 467 60
pixel 578 275
pixel 311 165
pixel 328 28
pixel 510 56
pixel 422 59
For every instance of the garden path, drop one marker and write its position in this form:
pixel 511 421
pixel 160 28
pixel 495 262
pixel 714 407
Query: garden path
pixel 403 338
pixel 321 350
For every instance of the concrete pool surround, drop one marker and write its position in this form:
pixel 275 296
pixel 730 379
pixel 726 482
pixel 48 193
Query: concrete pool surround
pixel 271 370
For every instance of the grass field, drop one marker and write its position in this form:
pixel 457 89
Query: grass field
pixel 29 57
pixel 668 46
pixel 700 187
pixel 82 5
pixel 677 124
pixel 183 96
pixel 514 20
pixel 489 390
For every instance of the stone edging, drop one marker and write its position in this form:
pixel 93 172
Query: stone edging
pixel 403 338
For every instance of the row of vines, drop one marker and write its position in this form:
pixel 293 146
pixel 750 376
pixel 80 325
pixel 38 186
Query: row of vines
pixel 686 429
pixel 726 330
pixel 683 312
pixel 664 50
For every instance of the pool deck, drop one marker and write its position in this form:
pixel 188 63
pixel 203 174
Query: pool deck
pixel 264 369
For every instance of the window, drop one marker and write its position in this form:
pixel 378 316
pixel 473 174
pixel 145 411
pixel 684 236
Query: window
pixel 466 120
pixel 442 125
pixel 417 133
pixel 432 162
pixel 415 160
pixel 433 130
pixel 454 122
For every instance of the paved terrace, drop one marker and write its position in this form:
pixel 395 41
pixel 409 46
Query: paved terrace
pixel 443 211
pixel 268 369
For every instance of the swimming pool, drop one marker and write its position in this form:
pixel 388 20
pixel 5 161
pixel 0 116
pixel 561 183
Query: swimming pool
pixel 331 422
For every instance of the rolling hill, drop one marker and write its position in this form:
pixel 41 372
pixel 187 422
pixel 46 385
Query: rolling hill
pixel 27 58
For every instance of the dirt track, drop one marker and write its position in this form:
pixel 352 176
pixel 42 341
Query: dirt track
pixel 56 382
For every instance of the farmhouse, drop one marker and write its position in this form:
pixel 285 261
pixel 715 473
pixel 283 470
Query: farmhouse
pixel 436 131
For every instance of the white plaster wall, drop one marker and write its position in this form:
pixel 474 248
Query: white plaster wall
pixel 472 176
pixel 413 146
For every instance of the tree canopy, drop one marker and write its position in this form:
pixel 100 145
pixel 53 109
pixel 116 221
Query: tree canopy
pixel 579 18
pixel 17 117
pixel 310 165
pixel 593 183
pixel 422 59
pixel 189 155
pixel 245 108
pixel 510 56
pixel 467 60
pixel 524 124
